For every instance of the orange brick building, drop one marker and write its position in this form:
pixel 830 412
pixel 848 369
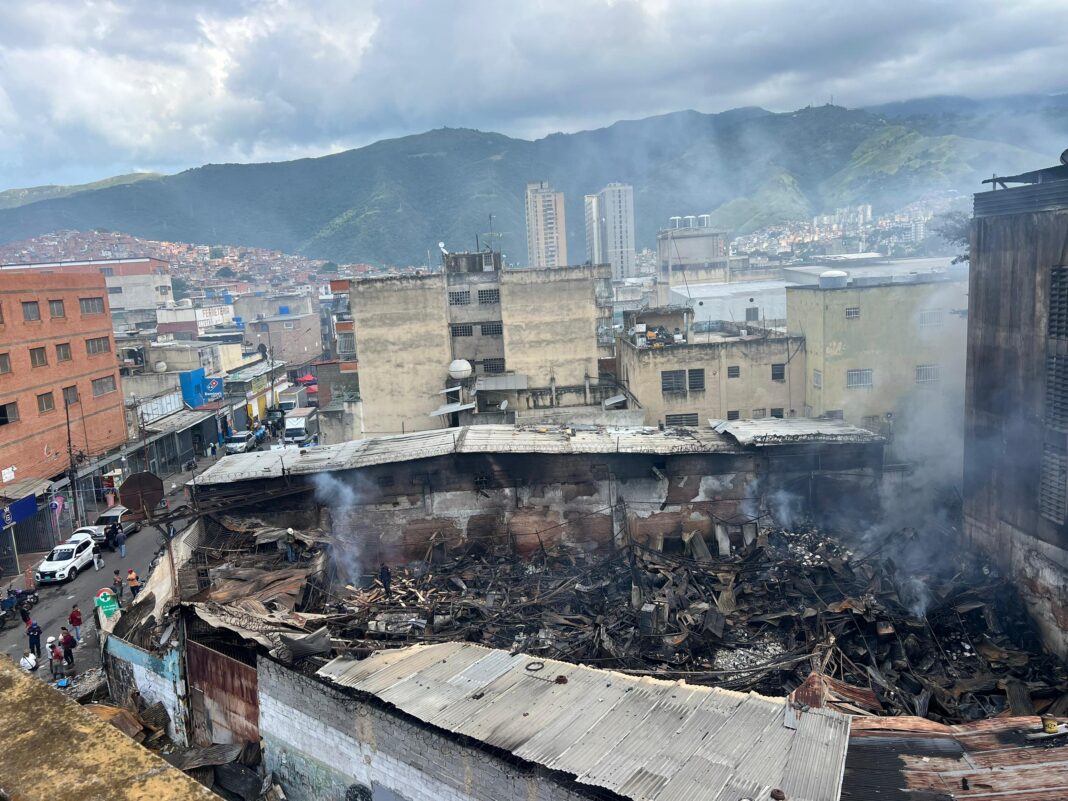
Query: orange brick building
pixel 56 351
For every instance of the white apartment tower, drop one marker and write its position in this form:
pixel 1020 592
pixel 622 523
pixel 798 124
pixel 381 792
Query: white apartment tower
pixel 546 227
pixel 610 229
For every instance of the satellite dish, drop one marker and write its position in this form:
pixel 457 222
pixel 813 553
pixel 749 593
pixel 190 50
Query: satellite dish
pixel 441 247
pixel 504 405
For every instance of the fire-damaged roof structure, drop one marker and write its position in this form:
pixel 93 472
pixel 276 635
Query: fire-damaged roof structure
pixel 640 738
pixel 732 437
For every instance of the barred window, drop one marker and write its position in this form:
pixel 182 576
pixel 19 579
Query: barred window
pixel 493 365
pixel 860 379
pixel 689 419
pixel 817 378
pixel 107 271
pixel 486 296
pixel 1053 483
pixel 852 313
pixel 1058 303
pixel 752 314
pixel 102 386
pixel 460 298
pixel 38 357
pixel 45 402
pixel 927 374
pixel 778 372
pixel 734 371
pixel 1057 392
pixel 114 290
pixel 491 329
pixel 930 318
pixel 462 330
pixel 91 305
pixel 777 412
pixel 673 381
pixel 56 308
pixel 98 345
pixel 759 413
pixel 733 415
pixel 695 380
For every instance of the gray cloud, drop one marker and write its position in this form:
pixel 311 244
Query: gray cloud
pixel 89 89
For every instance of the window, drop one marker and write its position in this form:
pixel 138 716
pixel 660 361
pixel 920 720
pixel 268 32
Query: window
pixel 461 298
pixel 776 412
pixel 98 345
pixel 1053 483
pixel 102 386
pixel 486 296
pixel 114 290
pixel 734 371
pixel 70 395
pixel 1 314
pixel 681 419
pixel 696 380
pixel 9 413
pixel 872 422
pixel 927 374
pixel 493 365
pixel 1058 303
pixel 107 271
pixel 673 381
pixel 5 363
pixel 852 313
pixel 289 326
pixel 91 305
pixel 56 309
pixel 778 372
pixel 759 414
pixel 38 357
pixel 817 378
pixel 859 379
pixel 930 318
pixel 834 414
pixel 733 415
pixel 45 403
pixel 63 352
pixel 1057 392
pixel 752 314
pixel 492 329
pixel 346 342
pixel 31 312
pixel 462 330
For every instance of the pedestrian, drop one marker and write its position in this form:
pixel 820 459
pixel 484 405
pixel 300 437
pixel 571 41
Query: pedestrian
pixel 291 550
pixel 120 540
pixel 68 643
pixel 24 613
pixel 134 582
pixel 33 631
pixel 55 658
pixel 386 578
pixel 109 537
pixel 28 662
pixel 75 620
pixel 117 585
pixel 172 532
pixel 98 559
pixel 214 450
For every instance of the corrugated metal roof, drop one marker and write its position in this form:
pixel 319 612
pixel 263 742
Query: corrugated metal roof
pixel 781 430
pixel 641 738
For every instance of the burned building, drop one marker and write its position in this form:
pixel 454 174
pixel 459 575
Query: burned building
pixel 1016 420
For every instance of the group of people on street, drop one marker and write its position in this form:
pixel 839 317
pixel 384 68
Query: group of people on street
pixel 60 650
pixel 115 539
pixel 120 583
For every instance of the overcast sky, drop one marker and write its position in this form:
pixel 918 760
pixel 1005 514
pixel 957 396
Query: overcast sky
pixel 92 89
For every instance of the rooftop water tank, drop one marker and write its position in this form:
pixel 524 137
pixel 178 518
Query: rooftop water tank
pixel 459 369
pixel 675 222
pixel 690 221
pixel 834 279
pixel 704 220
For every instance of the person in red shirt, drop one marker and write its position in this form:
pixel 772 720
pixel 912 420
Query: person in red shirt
pixel 75 620
pixel 55 658
pixel 66 639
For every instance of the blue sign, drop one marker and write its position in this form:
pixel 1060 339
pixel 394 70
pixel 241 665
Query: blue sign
pixel 213 388
pixel 19 510
pixel 53 506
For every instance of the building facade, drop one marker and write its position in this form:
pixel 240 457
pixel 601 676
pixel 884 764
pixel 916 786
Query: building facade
pixel 183 320
pixel 295 339
pixel 546 226
pixel 1016 416
pixel 610 229
pixel 530 336
pixel 57 360
pixel 132 284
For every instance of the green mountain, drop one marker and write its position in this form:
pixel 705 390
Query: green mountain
pixel 13 198
pixel 392 201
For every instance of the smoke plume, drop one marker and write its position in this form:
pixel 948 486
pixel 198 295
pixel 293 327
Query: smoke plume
pixel 340 499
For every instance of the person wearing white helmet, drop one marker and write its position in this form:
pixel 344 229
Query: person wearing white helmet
pixel 55 657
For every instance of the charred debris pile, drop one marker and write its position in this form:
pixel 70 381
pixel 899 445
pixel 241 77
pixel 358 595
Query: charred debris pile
pixel 785 611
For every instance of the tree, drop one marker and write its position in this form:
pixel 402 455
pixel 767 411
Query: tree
pixel 955 228
pixel 329 267
pixel 225 272
pixel 180 287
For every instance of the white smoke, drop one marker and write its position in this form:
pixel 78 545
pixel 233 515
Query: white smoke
pixel 340 498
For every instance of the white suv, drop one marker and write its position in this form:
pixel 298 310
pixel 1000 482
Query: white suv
pixel 65 560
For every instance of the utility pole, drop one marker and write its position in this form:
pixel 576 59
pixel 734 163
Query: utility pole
pixel 72 471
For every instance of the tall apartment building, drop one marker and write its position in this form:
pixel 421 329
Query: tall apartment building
pixel 530 336
pixel 1016 414
pixel 546 227
pixel 57 355
pixel 133 285
pixel 610 229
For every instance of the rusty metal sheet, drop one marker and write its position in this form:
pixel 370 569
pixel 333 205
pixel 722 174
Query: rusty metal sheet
pixel 230 696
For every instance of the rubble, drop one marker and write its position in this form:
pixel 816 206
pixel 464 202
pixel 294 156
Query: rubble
pixel 780 607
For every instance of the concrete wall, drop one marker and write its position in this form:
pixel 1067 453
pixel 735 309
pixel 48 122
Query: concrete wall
pixel 323 745
pixel 158 678
pixel 753 390
pixel 402 331
pixel 550 323
pixel 1012 424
